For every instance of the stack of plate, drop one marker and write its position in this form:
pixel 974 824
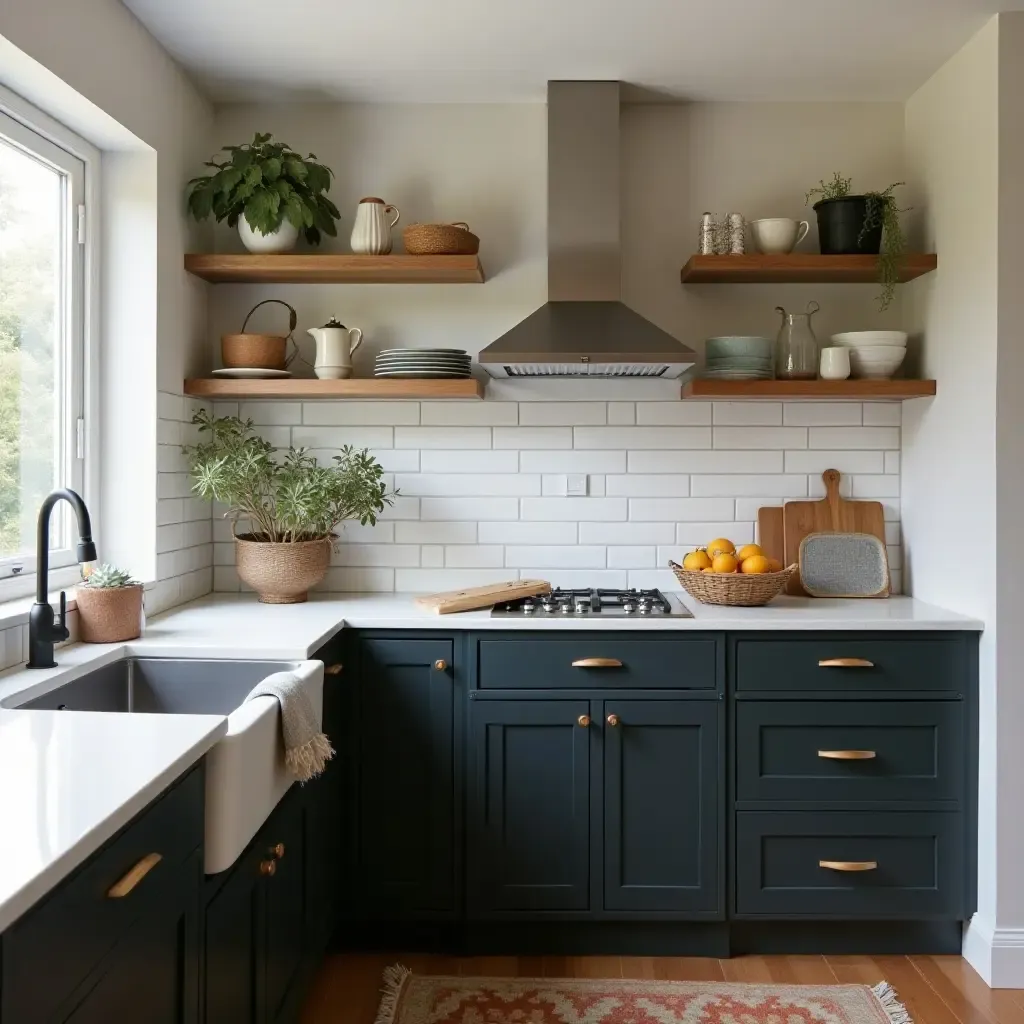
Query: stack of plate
pixel 422 362
pixel 738 358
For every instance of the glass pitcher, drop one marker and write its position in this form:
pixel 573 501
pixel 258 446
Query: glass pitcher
pixel 796 349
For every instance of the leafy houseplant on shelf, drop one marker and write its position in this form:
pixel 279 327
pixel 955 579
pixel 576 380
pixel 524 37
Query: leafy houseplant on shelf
pixel 292 503
pixel 270 191
pixel 109 606
pixel 861 224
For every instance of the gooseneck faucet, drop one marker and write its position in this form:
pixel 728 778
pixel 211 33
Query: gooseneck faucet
pixel 43 630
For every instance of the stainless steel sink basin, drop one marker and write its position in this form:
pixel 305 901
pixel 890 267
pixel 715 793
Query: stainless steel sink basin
pixel 245 769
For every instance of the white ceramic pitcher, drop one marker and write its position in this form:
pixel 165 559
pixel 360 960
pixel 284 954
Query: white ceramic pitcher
pixel 335 346
pixel 371 232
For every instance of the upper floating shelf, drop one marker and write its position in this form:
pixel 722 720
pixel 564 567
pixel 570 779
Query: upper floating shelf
pixel 835 390
pixel 354 387
pixel 327 268
pixel 798 268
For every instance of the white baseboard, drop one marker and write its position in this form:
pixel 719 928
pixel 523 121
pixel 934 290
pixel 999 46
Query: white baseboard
pixel 997 954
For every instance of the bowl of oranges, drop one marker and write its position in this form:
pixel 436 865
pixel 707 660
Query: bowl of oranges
pixel 721 573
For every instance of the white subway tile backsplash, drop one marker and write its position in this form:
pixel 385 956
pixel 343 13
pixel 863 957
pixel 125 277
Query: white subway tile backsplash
pixel 572 462
pixel 675 414
pixel 168 432
pixel 610 438
pixel 643 485
pixel 168 538
pixel 341 579
pixel 578 578
pixel 403 507
pixel 435 533
pixel 562 414
pixel 811 461
pixel 580 510
pixel 170 510
pixel 747 414
pixel 705 462
pixel 746 509
pixel 170 407
pixel 335 437
pixel 457 484
pixel 892 462
pixel 522 438
pixel 597 487
pixel 476 461
pixel 744 486
pixel 639 557
pixel 647 579
pixel 376 554
pixel 893 534
pixel 272 413
pixel 469 414
pixel 426 581
pixel 853 437
pixel 822 414
pixel 450 438
pixel 452 509
pixel 194 534
pixel 624 534
pixel 883 414
pixel 677 510
pixel 876 486
pixel 474 556
pixel 760 437
pixel 359 533
pixel 393 460
pixel 432 555
pixel 622 414
pixel 557 557
pixel 359 414
pixel 530 533
pixel 693 535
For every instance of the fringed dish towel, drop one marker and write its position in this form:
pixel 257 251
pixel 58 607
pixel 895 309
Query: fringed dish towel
pixel 306 749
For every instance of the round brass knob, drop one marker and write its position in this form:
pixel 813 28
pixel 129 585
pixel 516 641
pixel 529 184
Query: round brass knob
pixel 334 670
pixel 268 867
pixel 613 719
pixel 583 720
pixel 277 850
pixel 440 664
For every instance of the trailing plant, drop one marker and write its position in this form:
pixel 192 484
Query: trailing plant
pixel 286 495
pixel 107 577
pixel 881 209
pixel 266 182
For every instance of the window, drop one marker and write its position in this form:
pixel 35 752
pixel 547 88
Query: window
pixel 42 337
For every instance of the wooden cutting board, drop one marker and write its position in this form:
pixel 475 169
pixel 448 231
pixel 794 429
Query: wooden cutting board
pixel 771 532
pixel 482 597
pixel 831 514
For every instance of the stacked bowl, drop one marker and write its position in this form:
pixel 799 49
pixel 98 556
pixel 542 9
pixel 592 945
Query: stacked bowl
pixel 738 357
pixel 875 354
pixel 418 363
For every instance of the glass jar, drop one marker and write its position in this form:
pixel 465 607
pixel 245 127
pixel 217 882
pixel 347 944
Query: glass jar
pixel 796 349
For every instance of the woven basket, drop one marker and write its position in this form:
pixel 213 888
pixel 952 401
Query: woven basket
pixel 253 351
pixel 741 590
pixel 281 573
pixel 108 615
pixel 440 240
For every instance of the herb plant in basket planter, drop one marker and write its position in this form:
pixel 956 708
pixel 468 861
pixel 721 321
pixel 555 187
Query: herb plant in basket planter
pixel 866 224
pixel 109 606
pixel 292 503
pixel 270 191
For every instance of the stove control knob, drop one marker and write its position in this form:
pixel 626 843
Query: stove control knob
pixel 529 609
pixel 582 607
pixel 566 608
pixel 628 607
pixel 645 609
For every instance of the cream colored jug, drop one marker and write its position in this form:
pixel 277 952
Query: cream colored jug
pixel 371 232
pixel 335 346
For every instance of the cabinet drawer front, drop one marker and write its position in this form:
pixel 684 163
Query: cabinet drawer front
pixel 849 750
pixel 883 864
pixel 591 660
pixel 846 663
pixel 55 945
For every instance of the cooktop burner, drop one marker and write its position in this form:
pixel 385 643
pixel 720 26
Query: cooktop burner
pixel 606 603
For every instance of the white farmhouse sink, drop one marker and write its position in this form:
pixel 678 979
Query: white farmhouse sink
pixel 245 771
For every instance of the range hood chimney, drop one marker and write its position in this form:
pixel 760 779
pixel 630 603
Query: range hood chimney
pixel 584 330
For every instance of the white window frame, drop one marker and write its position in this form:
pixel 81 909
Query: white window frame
pixel 49 141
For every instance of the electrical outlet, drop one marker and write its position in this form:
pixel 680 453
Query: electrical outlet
pixel 576 485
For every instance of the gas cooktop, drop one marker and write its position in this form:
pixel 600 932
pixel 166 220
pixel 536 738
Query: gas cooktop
pixel 604 603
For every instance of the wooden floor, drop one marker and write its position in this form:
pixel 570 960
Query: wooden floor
pixel 935 989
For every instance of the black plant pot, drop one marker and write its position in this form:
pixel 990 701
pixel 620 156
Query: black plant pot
pixel 840 222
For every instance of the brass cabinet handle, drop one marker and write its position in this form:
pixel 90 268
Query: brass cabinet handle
pixel 583 721
pixel 845 663
pixel 597 663
pixel 124 885
pixel 441 665
pixel 277 850
pixel 847 755
pixel 613 719
pixel 268 867
pixel 334 670
pixel 848 865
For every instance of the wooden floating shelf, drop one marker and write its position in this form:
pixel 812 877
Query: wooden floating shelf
pixel 834 390
pixel 326 268
pixel 359 387
pixel 798 268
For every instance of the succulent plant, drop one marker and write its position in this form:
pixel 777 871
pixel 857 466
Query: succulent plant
pixel 108 577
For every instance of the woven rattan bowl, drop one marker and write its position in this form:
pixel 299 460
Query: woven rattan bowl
pixel 440 240
pixel 281 573
pixel 741 590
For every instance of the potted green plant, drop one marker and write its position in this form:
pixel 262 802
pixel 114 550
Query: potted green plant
pixel 109 606
pixel 291 503
pixel 270 191
pixel 869 224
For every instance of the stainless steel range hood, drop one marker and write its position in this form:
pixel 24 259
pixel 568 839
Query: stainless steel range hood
pixel 583 329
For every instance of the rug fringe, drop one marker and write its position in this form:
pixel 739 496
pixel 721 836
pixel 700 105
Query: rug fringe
pixel 394 979
pixel 895 1010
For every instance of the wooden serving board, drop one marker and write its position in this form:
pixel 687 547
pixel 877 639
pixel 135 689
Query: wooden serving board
pixel 482 597
pixel 771 532
pixel 831 514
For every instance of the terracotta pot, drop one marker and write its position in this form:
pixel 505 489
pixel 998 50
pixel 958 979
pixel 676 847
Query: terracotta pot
pixel 108 615
pixel 281 573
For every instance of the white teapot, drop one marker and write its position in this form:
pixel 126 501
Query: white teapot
pixel 335 346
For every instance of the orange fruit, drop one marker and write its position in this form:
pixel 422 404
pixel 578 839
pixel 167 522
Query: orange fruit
pixel 720 545
pixel 697 560
pixel 774 565
pixel 724 562
pixel 755 565
pixel 748 551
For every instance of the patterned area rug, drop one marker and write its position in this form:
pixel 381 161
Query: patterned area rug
pixel 409 999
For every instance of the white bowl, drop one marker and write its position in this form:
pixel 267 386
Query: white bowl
pixel 876 361
pixel 870 339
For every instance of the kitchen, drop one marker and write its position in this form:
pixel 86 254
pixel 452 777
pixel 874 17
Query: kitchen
pixel 484 483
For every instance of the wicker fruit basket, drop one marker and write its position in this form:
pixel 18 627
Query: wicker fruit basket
pixel 440 240
pixel 741 590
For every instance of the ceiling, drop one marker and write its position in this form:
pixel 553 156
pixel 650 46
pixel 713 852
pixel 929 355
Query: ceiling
pixel 440 51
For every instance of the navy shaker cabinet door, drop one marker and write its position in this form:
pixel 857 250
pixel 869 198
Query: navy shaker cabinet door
pixel 529 806
pixel 661 817
pixel 404 737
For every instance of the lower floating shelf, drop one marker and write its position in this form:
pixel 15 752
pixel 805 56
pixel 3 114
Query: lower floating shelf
pixel 834 390
pixel 354 387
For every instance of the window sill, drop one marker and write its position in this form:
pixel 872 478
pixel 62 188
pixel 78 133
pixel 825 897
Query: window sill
pixel 14 613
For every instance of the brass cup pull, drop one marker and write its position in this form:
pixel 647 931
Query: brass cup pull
pixel 613 720
pixel 583 721
pixel 440 665
pixel 277 850
pixel 597 663
pixel 334 670
pixel 124 885
pixel 268 867
pixel 848 865
pixel 847 755
pixel 845 663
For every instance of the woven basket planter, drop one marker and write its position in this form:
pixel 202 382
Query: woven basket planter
pixel 281 573
pixel 109 615
pixel 742 590
pixel 440 240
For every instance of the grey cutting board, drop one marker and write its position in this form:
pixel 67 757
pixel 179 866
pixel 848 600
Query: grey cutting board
pixel 844 565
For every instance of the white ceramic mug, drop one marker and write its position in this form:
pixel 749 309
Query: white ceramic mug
pixel 835 363
pixel 778 234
